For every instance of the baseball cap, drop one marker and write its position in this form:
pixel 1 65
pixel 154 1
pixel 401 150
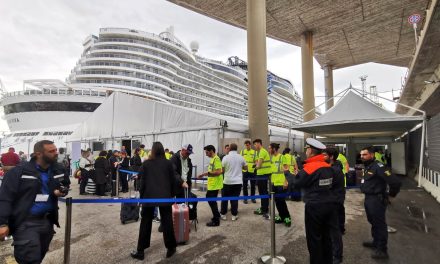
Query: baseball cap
pixel 188 147
pixel 313 143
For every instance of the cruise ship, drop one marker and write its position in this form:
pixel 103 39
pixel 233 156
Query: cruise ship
pixel 159 67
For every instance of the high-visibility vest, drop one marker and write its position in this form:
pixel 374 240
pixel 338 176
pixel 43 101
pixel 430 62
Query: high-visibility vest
pixel 291 161
pixel 249 157
pixel 277 163
pixel 379 157
pixel 344 163
pixel 215 183
pixel 167 156
pixel 266 167
pixel 142 153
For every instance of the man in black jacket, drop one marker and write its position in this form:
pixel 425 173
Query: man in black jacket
pixel 28 203
pixel 318 181
pixel 183 169
pixel 374 185
pixel 331 155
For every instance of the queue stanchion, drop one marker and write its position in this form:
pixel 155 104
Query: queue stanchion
pixel 195 181
pixel 68 230
pixel 117 181
pixel 272 258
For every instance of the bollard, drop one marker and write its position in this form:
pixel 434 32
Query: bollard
pixel 272 258
pixel 68 230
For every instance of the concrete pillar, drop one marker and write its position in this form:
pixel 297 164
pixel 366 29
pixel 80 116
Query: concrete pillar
pixel 328 83
pixel 307 75
pixel 257 71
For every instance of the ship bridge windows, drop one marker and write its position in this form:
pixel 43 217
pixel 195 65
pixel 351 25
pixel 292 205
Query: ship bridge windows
pixel 58 133
pixel 50 106
pixel 26 134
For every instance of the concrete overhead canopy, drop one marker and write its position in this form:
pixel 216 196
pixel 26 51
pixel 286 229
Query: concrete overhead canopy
pixel 355 116
pixel 345 33
pixel 424 67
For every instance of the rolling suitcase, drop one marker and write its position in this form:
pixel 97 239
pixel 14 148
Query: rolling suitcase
pixel 130 211
pixel 181 221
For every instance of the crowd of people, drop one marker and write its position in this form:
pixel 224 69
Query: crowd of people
pixel 28 208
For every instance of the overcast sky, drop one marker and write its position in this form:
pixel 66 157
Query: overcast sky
pixel 43 39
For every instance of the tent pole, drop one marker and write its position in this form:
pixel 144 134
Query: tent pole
pixel 422 150
pixel 407 106
pixel 113 121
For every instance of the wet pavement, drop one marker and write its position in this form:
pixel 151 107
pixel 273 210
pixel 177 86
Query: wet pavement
pixel 99 237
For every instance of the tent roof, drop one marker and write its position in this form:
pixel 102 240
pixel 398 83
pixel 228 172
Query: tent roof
pixel 355 116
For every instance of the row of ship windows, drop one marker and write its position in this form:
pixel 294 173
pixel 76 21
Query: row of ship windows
pixel 166 66
pixel 140 50
pixel 146 43
pixel 229 98
pixel 143 50
pixel 163 65
pixel 168 58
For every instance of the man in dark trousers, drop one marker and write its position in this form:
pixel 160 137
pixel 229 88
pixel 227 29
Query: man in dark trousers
pixel 28 203
pixel 331 156
pixel 374 184
pixel 318 181
pixel 182 169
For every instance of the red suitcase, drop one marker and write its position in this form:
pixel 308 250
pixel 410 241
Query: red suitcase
pixel 181 222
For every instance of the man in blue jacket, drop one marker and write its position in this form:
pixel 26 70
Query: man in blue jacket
pixel 28 203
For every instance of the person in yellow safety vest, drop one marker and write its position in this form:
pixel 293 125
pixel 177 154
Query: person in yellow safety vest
pixel 249 156
pixel 167 154
pixel 290 174
pixel 280 165
pixel 142 152
pixel 215 182
pixel 345 166
pixel 264 170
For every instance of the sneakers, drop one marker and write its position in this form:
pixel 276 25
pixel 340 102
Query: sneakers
pixel 266 216
pixel 379 254
pixel 391 229
pixel 287 221
pixel 278 219
pixel 213 223
pixel 368 244
pixel 137 255
pixel 223 217
pixel 254 201
pixel 156 219
pixel 258 211
pixel 234 218
pixel 245 201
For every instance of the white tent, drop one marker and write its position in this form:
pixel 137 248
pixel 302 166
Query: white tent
pixel 357 117
pixel 354 116
pixel 124 116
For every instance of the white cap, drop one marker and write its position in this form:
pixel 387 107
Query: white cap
pixel 313 143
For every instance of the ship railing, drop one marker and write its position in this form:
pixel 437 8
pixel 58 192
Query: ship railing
pixel 57 91
pixel 175 41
